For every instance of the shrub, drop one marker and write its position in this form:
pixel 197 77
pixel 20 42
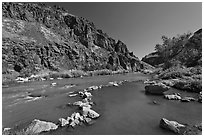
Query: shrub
pixel 189 85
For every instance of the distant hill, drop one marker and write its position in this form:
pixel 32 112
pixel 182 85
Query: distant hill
pixel 37 37
pixel 184 50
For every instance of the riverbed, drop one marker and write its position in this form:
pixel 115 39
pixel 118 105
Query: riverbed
pixel 124 110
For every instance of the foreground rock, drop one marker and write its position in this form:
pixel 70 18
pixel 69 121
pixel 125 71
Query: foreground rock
pixel 156 88
pixel 175 96
pixel 38 126
pixel 171 125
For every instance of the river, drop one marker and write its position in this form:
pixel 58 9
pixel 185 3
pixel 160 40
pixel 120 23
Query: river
pixel 124 110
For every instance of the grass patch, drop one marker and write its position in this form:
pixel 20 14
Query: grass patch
pixel 177 72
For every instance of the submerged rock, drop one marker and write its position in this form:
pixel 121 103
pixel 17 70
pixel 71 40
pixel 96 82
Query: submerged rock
pixel 38 126
pixel 157 88
pixel 171 125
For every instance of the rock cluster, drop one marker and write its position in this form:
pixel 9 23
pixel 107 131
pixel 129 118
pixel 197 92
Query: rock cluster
pixel 158 88
pixel 85 115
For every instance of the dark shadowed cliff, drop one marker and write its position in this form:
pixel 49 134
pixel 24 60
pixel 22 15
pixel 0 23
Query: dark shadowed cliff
pixel 36 37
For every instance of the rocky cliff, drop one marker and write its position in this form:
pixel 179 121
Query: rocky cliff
pixel 37 37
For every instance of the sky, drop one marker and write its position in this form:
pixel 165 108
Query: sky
pixel 139 25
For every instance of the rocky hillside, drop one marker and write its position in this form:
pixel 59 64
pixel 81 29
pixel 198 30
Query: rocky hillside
pixel 36 37
pixel 185 50
pixel 179 61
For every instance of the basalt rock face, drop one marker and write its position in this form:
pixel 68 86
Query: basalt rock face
pixel 37 37
pixel 153 59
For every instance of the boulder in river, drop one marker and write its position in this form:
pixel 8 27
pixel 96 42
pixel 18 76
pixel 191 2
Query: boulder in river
pixel 79 117
pixel 92 88
pixel 88 120
pixel 85 94
pixel 38 126
pixel 113 83
pixel 53 84
pixel 75 119
pixel 73 95
pixel 174 96
pixel 171 125
pixel 63 122
pixel 90 113
pixel 82 104
pixel 157 88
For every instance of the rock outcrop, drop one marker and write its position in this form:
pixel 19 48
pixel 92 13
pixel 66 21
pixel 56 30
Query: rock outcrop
pixel 36 37
pixel 153 59
pixel 156 88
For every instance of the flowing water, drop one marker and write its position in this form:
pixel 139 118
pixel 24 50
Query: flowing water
pixel 124 110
